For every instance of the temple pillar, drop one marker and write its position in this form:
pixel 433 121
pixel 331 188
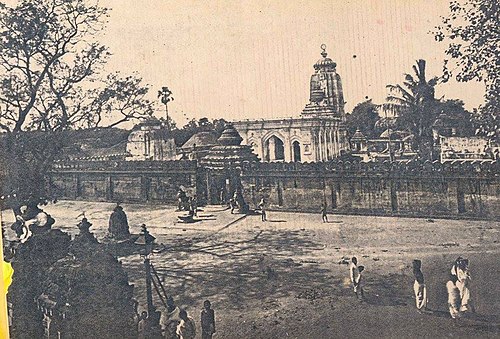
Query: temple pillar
pixel 272 149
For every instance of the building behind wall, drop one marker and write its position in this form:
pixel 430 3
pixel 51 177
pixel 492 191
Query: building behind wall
pixel 150 140
pixel 318 134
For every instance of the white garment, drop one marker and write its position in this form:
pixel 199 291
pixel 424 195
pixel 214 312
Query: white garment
pixel 453 299
pixel 353 272
pixel 186 329
pixel 169 322
pixel 463 277
pixel 420 295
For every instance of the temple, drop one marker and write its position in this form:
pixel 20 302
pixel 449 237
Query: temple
pixel 317 134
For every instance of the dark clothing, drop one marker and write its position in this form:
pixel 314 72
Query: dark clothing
pixel 118 224
pixel 207 323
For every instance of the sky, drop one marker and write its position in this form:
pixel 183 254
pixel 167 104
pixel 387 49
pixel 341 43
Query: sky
pixel 253 59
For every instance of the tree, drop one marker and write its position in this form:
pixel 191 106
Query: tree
pixel 454 111
pixel 414 105
pixel 364 116
pixel 51 81
pixel 473 35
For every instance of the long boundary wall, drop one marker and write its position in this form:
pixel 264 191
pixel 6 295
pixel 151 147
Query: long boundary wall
pixel 428 189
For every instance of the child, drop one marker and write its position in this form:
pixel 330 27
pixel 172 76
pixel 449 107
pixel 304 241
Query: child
pixel 419 286
pixel 207 321
pixel 358 284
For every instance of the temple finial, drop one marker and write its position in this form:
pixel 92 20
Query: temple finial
pixel 323 49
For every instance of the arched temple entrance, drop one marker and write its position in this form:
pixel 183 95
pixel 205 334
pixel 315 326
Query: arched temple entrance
pixel 296 151
pixel 274 149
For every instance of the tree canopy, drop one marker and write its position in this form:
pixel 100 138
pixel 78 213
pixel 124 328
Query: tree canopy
pixel 52 80
pixel 364 116
pixel 413 103
pixel 472 33
pixel 52 65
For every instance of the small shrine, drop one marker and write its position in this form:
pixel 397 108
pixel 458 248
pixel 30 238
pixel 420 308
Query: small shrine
pixel 223 163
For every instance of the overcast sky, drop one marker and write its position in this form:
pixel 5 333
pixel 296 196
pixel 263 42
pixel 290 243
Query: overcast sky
pixel 254 58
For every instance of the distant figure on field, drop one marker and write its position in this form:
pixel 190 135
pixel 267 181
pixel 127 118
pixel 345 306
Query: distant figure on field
pixel 207 321
pixel 118 224
pixel 182 199
pixel 324 215
pixel 193 205
pixel 419 286
pixel 453 297
pixel 186 328
pixel 233 205
pixel 262 207
pixel 460 270
pixel 222 197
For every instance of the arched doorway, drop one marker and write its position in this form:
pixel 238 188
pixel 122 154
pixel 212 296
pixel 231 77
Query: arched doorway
pixel 296 151
pixel 275 149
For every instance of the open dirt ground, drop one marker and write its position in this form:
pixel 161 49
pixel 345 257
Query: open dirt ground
pixel 286 278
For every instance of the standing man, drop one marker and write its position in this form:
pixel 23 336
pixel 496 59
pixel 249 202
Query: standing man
pixel 207 321
pixel 461 271
pixel 262 206
pixel 324 216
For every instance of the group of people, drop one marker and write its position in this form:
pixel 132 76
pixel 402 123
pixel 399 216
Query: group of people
pixel 30 220
pixel 187 203
pixel 459 299
pixel 177 324
pixel 457 286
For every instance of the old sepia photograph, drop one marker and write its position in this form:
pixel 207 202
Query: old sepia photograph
pixel 233 169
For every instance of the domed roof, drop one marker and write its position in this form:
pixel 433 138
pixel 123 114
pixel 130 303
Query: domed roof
pixel 230 136
pixel 358 135
pixel 201 139
pixel 325 62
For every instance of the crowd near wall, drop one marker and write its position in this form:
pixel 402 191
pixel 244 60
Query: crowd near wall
pixel 427 189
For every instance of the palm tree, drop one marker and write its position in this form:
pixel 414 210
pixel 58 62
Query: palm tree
pixel 413 104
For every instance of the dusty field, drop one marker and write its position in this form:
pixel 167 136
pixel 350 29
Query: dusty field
pixel 283 278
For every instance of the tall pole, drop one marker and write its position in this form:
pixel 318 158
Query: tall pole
pixel 149 291
pixel 165 96
pixel 391 157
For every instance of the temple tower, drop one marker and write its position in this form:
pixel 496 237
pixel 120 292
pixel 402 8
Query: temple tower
pixel 326 96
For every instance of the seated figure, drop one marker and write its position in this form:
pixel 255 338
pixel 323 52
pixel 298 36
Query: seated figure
pixel 118 224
